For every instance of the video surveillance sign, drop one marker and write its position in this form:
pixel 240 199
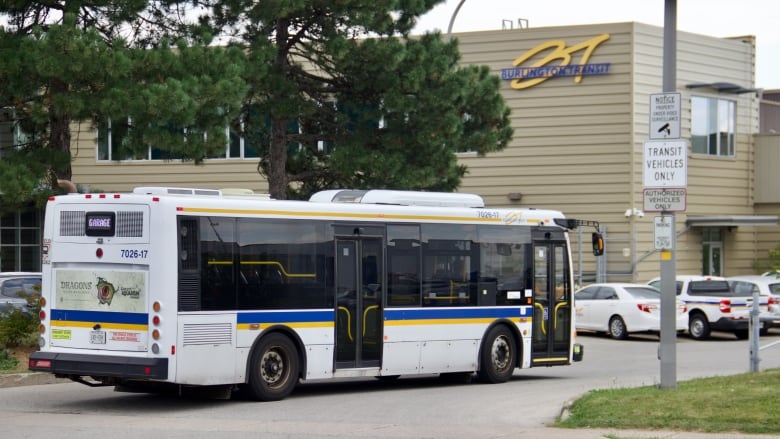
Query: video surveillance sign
pixel 665 116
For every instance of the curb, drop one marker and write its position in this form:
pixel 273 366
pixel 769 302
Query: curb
pixel 29 379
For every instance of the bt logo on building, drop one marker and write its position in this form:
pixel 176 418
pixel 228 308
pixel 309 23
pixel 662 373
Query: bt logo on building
pixel 556 63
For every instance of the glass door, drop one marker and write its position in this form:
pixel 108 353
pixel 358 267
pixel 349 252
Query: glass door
pixel 552 300
pixel 358 304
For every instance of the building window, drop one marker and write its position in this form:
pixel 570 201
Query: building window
pixel 15 133
pixel 713 126
pixel 712 252
pixel 112 135
pixel 20 243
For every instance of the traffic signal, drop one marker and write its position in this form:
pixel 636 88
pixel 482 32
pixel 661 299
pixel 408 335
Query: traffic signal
pixel 598 244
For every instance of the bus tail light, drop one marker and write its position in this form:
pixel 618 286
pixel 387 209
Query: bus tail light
pixel 725 305
pixel 43 364
pixel 156 334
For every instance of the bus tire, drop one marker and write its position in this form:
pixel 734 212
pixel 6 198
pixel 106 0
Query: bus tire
pixel 273 370
pixel 498 356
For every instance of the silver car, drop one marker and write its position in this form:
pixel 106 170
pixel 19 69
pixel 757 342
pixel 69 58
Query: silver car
pixel 17 290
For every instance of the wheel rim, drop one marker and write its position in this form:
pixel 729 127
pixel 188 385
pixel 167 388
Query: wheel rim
pixel 501 354
pixel 273 368
pixel 696 327
pixel 616 328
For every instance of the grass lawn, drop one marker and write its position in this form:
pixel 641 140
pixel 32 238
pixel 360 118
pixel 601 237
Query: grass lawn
pixel 746 403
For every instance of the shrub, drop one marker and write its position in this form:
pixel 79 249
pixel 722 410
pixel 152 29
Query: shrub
pixel 17 328
pixel 7 361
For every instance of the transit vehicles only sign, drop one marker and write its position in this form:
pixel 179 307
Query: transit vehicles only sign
pixel 665 164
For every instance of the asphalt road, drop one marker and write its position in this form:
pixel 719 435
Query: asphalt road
pixel 423 407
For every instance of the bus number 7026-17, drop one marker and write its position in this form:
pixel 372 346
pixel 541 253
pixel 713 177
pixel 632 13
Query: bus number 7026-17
pixel 196 287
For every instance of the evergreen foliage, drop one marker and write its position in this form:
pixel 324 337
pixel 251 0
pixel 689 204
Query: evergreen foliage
pixel 331 94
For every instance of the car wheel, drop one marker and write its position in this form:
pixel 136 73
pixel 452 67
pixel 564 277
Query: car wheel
pixel 764 329
pixel 698 326
pixel 617 328
pixel 498 356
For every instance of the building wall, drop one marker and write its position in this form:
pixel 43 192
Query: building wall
pixel 767 198
pixel 578 146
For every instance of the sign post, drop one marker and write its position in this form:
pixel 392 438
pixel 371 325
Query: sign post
pixel 667 351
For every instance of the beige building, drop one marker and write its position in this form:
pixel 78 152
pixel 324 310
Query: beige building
pixel 581 119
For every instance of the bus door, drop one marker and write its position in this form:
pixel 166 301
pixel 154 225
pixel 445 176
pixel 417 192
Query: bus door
pixel 552 299
pixel 359 297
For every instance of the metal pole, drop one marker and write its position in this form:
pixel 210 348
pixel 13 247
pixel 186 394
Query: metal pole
pixel 579 257
pixel 755 332
pixel 667 349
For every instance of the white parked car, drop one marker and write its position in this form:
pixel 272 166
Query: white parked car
pixel 768 287
pixel 622 308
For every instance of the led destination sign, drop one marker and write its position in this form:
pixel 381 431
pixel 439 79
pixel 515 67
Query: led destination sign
pixel 100 223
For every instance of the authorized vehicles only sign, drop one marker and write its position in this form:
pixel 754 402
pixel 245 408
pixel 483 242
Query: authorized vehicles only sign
pixel 664 200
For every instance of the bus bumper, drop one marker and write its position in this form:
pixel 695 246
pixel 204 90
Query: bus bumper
pixel 76 365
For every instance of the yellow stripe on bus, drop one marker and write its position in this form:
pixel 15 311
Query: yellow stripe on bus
pixel 124 326
pixel 256 326
pixel 339 214
pixel 549 360
pixel 443 321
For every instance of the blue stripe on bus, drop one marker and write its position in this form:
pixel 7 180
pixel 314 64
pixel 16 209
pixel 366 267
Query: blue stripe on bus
pixel 285 316
pixel 457 313
pixel 70 315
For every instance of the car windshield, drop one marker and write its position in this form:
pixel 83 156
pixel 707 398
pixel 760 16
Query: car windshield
pixel 643 293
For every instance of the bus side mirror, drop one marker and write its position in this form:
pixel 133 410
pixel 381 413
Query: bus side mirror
pixel 598 244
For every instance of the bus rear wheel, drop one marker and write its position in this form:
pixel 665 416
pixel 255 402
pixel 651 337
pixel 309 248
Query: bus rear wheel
pixel 273 371
pixel 498 356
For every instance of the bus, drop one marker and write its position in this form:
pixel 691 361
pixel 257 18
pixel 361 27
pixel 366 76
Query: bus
pixel 176 287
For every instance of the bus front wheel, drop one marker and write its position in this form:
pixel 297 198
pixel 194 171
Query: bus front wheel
pixel 273 371
pixel 498 356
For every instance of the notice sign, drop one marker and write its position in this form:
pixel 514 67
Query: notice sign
pixel 664 200
pixel 664 235
pixel 665 164
pixel 665 116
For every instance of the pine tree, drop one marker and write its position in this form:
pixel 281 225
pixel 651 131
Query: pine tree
pixel 341 96
pixel 67 62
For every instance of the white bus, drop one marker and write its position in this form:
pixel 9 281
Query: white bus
pixel 198 287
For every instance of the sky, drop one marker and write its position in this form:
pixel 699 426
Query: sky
pixel 717 18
